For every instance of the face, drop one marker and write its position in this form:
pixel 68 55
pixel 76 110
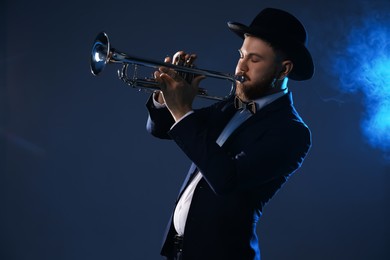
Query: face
pixel 258 64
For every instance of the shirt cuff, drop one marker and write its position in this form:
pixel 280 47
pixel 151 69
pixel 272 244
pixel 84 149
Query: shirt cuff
pixel 157 104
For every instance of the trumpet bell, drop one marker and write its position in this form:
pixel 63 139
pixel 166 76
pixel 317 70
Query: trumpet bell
pixel 100 54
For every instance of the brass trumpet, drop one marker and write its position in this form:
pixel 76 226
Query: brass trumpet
pixel 102 54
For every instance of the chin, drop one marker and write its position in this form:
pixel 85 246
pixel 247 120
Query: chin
pixel 246 91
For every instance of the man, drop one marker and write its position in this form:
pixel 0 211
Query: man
pixel 241 157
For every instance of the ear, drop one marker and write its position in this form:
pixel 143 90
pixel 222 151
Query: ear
pixel 287 67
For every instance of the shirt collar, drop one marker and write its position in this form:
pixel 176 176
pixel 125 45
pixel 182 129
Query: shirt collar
pixel 263 101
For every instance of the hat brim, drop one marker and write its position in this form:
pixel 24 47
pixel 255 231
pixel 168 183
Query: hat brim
pixel 303 68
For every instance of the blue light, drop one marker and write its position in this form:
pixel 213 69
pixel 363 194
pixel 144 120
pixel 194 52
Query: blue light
pixel 364 66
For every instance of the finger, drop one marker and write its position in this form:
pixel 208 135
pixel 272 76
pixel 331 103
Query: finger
pixel 157 77
pixel 177 57
pixel 190 60
pixel 167 79
pixel 187 62
pixel 186 57
pixel 167 59
pixel 170 72
pixel 163 69
pixel 180 58
pixel 191 57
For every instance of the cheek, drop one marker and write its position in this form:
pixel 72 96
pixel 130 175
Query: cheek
pixel 261 73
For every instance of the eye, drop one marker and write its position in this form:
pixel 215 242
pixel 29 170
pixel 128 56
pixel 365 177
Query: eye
pixel 255 59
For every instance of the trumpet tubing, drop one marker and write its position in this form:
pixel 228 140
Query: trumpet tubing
pixel 102 54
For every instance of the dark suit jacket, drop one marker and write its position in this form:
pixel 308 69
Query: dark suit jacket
pixel 238 178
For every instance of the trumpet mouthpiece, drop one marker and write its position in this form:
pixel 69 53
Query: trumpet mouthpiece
pixel 240 78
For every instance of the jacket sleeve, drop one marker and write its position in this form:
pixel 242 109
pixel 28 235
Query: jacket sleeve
pixel 159 120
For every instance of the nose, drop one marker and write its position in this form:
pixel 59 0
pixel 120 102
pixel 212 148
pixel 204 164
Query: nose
pixel 241 67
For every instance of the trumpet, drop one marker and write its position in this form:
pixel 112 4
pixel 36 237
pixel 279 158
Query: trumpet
pixel 102 54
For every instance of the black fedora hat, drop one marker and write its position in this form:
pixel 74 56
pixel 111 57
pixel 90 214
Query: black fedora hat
pixel 285 32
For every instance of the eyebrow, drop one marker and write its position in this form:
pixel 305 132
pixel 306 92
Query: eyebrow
pixel 252 54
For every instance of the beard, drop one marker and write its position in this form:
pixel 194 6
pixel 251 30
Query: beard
pixel 252 90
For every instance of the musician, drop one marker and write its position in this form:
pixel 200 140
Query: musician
pixel 243 149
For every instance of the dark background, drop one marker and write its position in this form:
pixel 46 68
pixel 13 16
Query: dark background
pixel 80 177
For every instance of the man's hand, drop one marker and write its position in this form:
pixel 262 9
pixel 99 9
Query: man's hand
pixel 178 93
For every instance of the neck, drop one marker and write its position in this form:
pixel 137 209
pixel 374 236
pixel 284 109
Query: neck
pixel 279 85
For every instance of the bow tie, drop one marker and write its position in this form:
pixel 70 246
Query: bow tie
pixel 241 105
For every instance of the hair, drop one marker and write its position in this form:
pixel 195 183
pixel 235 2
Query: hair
pixel 280 54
